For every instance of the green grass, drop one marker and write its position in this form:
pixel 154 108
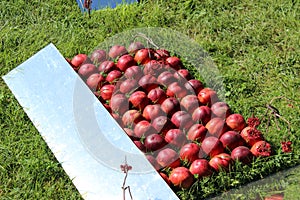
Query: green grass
pixel 255 45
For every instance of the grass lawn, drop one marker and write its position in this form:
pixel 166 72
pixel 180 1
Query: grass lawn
pixel 255 45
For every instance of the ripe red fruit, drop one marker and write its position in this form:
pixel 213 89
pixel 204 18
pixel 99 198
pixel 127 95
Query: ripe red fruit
pixel 221 162
pixel 221 109
pixel 133 72
pixel 212 146
pixel 135 46
pixel 166 78
pixel 181 177
pixel 86 70
pixel 170 106
pixel 78 60
pixel 201 167
pixel 236 122
pixel 157 95
pixel 208 96
pixel 148 82
pixel 113 76
pixel 197 133
pixel 130 133
pixel 154 142
pixel 261 149
pixel 251 135
pixel 231 140
pixel 182 75
pixel 151 112
pixel 182 120
pixel 216 127
pixel 107 66
pixel 139 99
pixel 95 81
pixel 117 51
pixel 189 152
pixel 153 67
pixel 131 117
pixel 162 124
pixel 143 128
pixel 107 91
pixel 165 177
pixel 143 56
pixel 161 54
pixel 98 56
pixel 167 157
pixel 128 86
pixel 175 137
pixel 140 145
pixel 177 90
pixel 242 154
pixel 119 103
pixel 202 114
pixel 190 103
pixel 174 62
pixel 194 86
pixel 125 61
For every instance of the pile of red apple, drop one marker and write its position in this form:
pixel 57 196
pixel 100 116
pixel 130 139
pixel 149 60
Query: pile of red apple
pixel 184 129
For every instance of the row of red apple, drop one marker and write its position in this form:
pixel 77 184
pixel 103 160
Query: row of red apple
pixel 177 122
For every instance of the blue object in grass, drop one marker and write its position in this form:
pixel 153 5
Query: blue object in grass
pixel 100 4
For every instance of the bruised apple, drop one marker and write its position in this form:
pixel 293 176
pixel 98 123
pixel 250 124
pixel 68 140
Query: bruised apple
pixel 261 149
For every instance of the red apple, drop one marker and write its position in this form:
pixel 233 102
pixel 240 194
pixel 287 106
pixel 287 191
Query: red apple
pixel 78 60
pixel 212 146
pixel 207 96
pixel 174 62
pixel 194 86
pixel 231 140
pixel 190 103
pixel 220 109
pixel 182 75
pixel 177 90
pixel 216 126
pixel 143 56
pixel 148 82
pixel 221 162
pixel 161 54
pixel 86 70
pixel 154 142
pixel 175 137
pixel 166 78
pixel 197 133
pixel 128 86
pixel 236 122
pixel 139 99
pixel 153 67
pixel 143 128
pixel 162 124
pixel 201 167
pixel 170 106
pixel 107 66
pixel 140 145
pixel 242 154
pixel 189 152
pixel 95 81
pixel 117 51
pixel 133 72
pixel 113 76
pixel 182 120
pixel 153 162
pixel 119 103
pixel 107 91
pixel 181 177
pixel 131 117
pixel 125 61
pixel 98 56
pixel 167 157
pixel 157 95
pixel 151 112
pixel 202 114
pixel 165 177
pixel 261 149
